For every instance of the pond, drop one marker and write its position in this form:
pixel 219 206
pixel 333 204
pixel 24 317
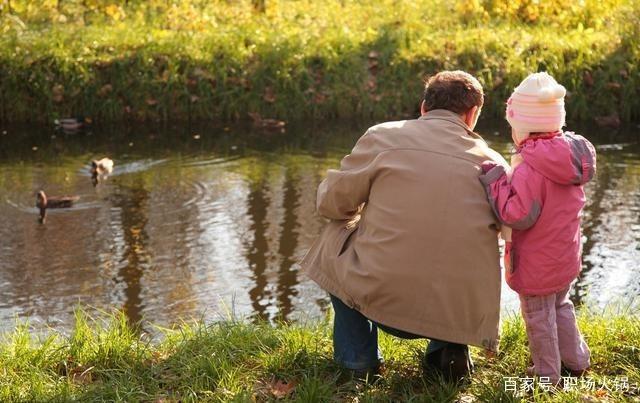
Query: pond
pixel 209 221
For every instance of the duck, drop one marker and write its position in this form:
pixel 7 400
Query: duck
pixel 267 123
pixel 43 203
pixel 100 169
pixel 72 125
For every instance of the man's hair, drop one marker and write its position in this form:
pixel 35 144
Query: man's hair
pixel 456 91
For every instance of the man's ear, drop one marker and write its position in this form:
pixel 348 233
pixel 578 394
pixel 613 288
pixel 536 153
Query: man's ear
pixel 423 108
pixel 471 117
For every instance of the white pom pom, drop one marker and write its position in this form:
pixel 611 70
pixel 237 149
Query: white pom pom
pixel 559 91
pixel 551 92
pixel 545 94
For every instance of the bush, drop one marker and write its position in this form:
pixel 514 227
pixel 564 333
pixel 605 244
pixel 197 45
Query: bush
pixel 197 59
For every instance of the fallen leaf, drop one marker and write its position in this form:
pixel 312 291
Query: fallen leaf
pixel 269 95
pixel 600 393
pixel 466 398
pixel 281 389
pixel 319 98
pixel 255 116
pixel 587 78
pixel 489 354
pixel 105 90
pixel 201 73
pixel 57 93
pixel 497 82
pixel 81 375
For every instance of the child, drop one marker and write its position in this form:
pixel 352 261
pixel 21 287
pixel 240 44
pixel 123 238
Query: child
pixel 541 200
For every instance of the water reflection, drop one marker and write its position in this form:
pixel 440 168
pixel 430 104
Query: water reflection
pixel 287 273
pixel 258 249
pixel 196 228
pixel 133 204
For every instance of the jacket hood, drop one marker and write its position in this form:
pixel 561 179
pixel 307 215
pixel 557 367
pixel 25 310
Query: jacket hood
pixel 567 158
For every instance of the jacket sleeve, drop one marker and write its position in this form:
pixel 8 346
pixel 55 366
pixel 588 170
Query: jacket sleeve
pixel 584 156
pixel 516 203
pixel 344 190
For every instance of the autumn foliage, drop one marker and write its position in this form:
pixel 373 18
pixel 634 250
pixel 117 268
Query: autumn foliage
pixel 292 60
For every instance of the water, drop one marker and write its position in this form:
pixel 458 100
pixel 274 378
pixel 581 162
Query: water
pixel 210 221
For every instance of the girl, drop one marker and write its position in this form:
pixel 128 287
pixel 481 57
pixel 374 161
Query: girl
pixel 541 200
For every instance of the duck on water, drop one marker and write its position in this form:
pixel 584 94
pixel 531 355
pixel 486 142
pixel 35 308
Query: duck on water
pixel 100 169
pixel 44 202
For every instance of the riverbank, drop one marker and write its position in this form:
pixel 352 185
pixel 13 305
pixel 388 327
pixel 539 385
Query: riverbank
pixel 106 360
pixel 295 60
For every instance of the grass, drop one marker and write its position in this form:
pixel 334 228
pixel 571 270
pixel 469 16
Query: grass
pixel 197 59
pixel 104 359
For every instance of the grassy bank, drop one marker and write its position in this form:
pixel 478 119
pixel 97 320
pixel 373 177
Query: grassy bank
pixel 165 59
pixel 237 361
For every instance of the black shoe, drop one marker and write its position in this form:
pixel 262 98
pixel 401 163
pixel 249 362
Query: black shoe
pixel 452 362
pixel 367 375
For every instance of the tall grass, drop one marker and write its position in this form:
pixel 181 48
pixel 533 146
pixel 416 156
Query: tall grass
pixel 166 59
pixel 104 359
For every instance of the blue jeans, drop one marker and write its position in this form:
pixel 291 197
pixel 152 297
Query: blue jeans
pixel 355 338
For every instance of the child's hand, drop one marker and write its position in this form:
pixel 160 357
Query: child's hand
pixel 508 261
pixel 516 159
pixel 487 166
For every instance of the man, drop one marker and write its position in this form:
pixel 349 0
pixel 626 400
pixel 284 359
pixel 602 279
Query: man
pixel 412 244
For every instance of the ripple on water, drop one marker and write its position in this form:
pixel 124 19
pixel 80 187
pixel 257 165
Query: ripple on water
pixel 132 167
pixel 613 147
pixel 212 161
pixel 79 205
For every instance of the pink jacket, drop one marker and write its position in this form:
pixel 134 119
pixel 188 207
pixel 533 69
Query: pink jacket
pixel 542 203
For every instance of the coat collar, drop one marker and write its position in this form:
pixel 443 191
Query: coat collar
pixel 542 136
pixel 444 114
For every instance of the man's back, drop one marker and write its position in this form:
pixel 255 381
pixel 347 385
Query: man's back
pixel 426 234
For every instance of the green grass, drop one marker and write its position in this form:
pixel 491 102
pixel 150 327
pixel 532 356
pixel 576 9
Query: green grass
pixel 197 59
pixel 104 359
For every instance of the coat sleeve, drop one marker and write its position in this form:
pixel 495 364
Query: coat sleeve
pixel 517 203
pixel 344 190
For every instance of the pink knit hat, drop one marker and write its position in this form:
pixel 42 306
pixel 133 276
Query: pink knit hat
pixel 536 105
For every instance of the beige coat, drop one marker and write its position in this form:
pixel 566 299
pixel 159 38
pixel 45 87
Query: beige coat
pixel 424 256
